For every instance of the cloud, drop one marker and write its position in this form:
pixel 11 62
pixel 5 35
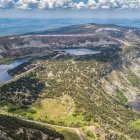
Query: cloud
pixel 113 4
pixel 42 4
pixel 78 5
pixel 6 3
pixel 53 4
pixel 27 4
pixel 75 4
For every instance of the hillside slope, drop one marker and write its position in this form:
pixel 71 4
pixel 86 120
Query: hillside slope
pixel 12 128
pixel 88 35
pixel 97 94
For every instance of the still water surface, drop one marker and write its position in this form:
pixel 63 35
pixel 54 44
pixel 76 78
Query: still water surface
pixel 4 76
pixel 79 51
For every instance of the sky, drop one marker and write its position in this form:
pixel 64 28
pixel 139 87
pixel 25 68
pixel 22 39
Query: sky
pixel 76 4
pixel 70 8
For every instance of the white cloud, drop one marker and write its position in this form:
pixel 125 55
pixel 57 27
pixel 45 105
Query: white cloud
pixel 122 4
pixel 6 3
pixel 27 4
pixel 42 4
pixel 53 4
pixel 78 5
pixel 108 4
pixel 90 4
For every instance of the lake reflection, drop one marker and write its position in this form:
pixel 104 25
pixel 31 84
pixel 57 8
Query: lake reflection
pixel 79 52
pixel 4 76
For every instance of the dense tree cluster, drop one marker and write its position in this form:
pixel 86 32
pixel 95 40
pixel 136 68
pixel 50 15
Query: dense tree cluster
pixel 13 128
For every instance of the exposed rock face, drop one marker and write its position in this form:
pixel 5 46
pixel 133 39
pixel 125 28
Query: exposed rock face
pixel 15 129
pixel 35 44
pixel 27 134
pixel 31 134
pixel 4 136
pixel 88 35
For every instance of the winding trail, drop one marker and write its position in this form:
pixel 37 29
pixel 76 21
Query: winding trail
pixel 77 130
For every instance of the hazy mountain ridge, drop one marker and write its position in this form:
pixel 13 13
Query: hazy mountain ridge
pixel 88 35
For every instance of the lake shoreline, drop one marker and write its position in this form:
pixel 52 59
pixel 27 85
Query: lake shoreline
pixel 14 62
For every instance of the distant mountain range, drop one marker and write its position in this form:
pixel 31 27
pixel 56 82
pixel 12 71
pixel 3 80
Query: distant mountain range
pixel 16 26
pixel 85 35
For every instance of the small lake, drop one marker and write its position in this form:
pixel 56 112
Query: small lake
pixel 79 51
pixel 4 76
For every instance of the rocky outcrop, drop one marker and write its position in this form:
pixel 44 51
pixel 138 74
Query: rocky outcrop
pixel 88 35
pixel 23 45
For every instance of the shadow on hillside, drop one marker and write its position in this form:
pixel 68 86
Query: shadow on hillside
pixel 10 126
pixel 24 91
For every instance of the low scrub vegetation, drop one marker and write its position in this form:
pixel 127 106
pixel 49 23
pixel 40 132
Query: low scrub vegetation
pixel 68 92
pixel 14 128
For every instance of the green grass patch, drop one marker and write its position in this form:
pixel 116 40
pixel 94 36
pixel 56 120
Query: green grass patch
pixel 68 134
pixel 135 124
pixel 90 135
pixel 55 112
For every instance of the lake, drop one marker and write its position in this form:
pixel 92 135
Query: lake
pixel 79 51
pixel 4 76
